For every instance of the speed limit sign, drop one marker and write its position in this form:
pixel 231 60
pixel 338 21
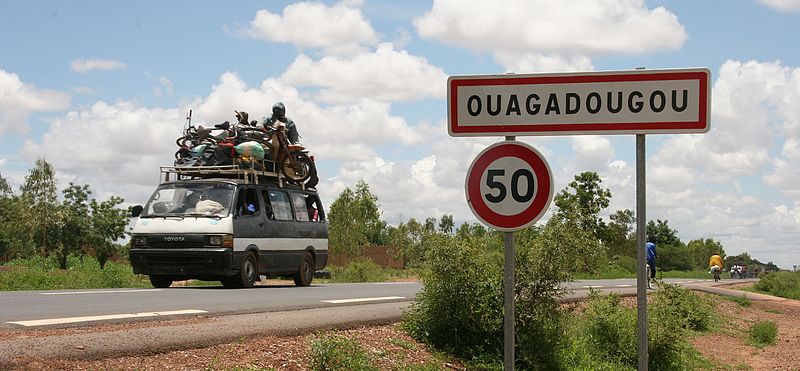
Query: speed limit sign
pixel 509 186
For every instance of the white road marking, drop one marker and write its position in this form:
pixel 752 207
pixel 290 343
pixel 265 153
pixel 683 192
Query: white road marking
pixel 58 321
pixel 680 282
pixel 98 292
pixel 340 301
pixel 624 285
pixel 593 287
pixel 396 283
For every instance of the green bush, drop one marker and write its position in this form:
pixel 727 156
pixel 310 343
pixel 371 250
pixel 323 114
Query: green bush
pixel 744 302
pixel 334 352
pixel 359 270
pixel 693 312
pixel 784 284
pixel 39 273
pixel 763 333
pixel 611 329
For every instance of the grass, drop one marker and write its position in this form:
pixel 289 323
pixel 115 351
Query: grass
pixel 43 274
pixel 334 352
pixel 365 270
pixel 784 284
pixel 743 302
pixel 762 333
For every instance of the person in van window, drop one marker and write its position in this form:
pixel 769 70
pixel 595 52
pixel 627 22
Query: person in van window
pixel 313 213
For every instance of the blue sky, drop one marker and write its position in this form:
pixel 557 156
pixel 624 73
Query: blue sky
pixel 101 89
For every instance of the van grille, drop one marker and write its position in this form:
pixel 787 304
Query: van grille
pixel 176 244
pixel 184 261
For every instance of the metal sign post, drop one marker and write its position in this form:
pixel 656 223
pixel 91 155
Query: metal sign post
pixel 508 303
pixel 641 272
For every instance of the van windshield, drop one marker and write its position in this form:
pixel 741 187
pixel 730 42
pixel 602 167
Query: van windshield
pixel 190 199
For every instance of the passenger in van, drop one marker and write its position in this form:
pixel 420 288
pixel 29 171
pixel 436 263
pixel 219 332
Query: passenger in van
pixel 313 213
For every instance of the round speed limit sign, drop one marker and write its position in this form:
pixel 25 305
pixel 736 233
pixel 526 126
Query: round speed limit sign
pixel 509 186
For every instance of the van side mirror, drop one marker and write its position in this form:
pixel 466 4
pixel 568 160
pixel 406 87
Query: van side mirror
pixel 136 211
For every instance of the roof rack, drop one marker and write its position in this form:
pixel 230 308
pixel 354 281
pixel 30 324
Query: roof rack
pixel 245 172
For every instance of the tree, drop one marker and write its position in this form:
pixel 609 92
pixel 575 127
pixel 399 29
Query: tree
pixel 701 250
pixel 661 234
pixel 619 235
pixel 446 224
pixel 75 227
pixel 107 225
pixel 584 199
pixel 355 221
pixel 39 197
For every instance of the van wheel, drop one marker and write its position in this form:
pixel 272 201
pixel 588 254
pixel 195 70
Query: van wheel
pixel 160 282
pixel 305 273
pixel 247 275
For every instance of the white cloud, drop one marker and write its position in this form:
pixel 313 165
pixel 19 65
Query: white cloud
pixel 341 27
pixel 164 86
pixel 385 75
pixel 782 5
pixel 537 62
pixel 526 33
pixel 18 100
pixel 94 64
pixel 592 152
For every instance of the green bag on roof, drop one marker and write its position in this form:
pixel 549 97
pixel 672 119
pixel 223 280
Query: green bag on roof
pixel 252 149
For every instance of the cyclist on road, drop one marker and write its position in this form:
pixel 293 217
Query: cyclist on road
pixel 650 248
pixel 715 265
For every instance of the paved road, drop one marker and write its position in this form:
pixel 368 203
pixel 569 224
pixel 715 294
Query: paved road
pixel 86 307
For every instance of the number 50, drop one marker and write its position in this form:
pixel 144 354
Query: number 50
pixel 515 194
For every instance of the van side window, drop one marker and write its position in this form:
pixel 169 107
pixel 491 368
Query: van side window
pixel 300 207
pixel 267 205
pixel 280 205
pixel 314 207
pixel 247 203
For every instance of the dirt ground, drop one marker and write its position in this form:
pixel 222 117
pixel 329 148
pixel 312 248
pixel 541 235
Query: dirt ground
pixel 390 348
pixel 727 345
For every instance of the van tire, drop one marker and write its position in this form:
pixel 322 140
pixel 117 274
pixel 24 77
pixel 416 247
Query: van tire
pixel 160 282
pixel 247 275
pixel 305 273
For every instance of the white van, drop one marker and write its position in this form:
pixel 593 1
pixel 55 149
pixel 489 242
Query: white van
pixel 229 230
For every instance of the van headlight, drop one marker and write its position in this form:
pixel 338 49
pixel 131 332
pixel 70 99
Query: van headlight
pixel 139 241
pixel 215 240
pixel 225 240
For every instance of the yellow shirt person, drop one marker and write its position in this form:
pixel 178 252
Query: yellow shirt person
pixel 715 260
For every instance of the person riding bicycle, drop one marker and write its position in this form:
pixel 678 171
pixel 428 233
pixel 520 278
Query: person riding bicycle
pixel 279 114
pixel 715 265
pixel 650 249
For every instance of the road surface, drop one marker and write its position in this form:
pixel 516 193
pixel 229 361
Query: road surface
pixel 64 308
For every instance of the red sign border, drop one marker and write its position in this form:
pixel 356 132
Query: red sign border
pixel 702 125
pixel 544 179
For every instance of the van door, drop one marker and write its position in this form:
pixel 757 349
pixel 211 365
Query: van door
pixel 248 224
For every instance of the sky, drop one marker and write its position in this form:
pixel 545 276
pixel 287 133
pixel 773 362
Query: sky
pixel 101 90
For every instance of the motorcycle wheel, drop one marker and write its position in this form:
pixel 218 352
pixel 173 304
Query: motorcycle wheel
pixel 301 170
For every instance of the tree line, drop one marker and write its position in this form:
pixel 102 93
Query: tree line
pixel 600 243
pixel 36 221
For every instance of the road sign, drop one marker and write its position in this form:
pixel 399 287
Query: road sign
pixel 616 102
pixel 509 186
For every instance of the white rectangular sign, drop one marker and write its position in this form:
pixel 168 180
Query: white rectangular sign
pixel 625 102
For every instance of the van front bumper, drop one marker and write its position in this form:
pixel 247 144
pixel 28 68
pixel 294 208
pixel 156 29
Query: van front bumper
pixel 188 263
